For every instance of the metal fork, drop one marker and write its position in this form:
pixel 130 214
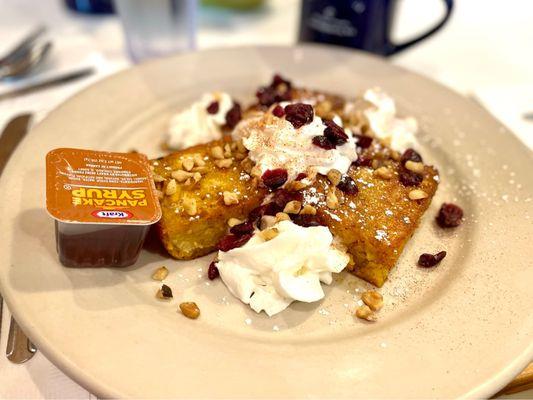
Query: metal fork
pixel 24 46
pixel 1 307
pixel 19 348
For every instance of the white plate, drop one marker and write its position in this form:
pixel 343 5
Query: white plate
pixel 464 328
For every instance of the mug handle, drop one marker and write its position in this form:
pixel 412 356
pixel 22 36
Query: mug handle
pixel 395 48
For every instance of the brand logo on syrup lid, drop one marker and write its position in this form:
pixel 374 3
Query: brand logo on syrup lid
pixel 112 214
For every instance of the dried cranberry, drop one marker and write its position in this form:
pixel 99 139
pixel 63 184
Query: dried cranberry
pixel 266 209
pixel 266 96
pixel 300 176
pixel 285 96
pixel 347 185
pixel 305 220
pixel 281 197
pixel 299 114
pixel 363 142
pixel 449 216
pixel 274 178
pixel 242 229
pixel 334 133
pixel 278 80
pixel 231 241
pixel 234 115
pixel 363 161
pixel 410 155
pixel 212 271
pixel 278 111
pixel 212 108
pixel 430 260
pixel 410 178
pixel 323 142
pixel 166 292
pixel 278 90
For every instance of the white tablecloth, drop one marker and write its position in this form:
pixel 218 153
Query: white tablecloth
pixel 484 52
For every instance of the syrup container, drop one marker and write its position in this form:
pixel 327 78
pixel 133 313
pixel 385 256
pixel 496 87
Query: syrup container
pixel 103 204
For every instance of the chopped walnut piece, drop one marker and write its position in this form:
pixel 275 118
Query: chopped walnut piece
pixel 282 216
pixel 267 221
pixel 181 175
pixel 198 160
pixel 190 310
pixel 171 188
pixel 230 198
pixel 217 152
pixel 189 204
pixel 384 173
pixel 160 274
pixel 413 166
pixel 308 209
pixel 247 165
pixel 187 164
pixel 240 147
pixel 158 178
pixel 331 199
pixel 364 312
pixel 227 150
pixel 293 207
pixel 334 176
pixel 417 194
pixel 311 173
pixel 256 171
pixel 197 176
pixel 372 299
pixel 234 221
pixel 159 194
pixel 224 163
pixel 269 234
pixel 294 186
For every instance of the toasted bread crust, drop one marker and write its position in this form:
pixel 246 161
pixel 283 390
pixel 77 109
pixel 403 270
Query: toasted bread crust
pixel 376 223
pixel 190 236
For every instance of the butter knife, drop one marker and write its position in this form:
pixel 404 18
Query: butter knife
pixel 19 348
pixel 13 133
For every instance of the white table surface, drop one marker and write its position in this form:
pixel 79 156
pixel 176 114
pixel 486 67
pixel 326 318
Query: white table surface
pixel 485 51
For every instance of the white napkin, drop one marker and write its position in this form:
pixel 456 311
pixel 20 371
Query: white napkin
pixel 67 55
pixel 38 378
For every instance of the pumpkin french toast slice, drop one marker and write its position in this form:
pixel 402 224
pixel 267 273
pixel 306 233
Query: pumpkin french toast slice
pixel 202 187
pixel 376 222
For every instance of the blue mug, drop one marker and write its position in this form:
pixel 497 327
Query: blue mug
pixel 361 24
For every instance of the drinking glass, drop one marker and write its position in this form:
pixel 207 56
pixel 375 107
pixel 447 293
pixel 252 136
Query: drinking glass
pixel 155 28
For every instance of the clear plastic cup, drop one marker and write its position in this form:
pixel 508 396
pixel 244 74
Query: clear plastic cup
pixel 156 28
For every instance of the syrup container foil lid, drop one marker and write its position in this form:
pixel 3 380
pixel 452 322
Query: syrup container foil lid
pixel 97 187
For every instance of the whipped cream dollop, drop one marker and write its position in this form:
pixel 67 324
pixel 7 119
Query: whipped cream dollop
pixel 275 143
pixel 386 125
pixel 270 275
pixel 195 125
